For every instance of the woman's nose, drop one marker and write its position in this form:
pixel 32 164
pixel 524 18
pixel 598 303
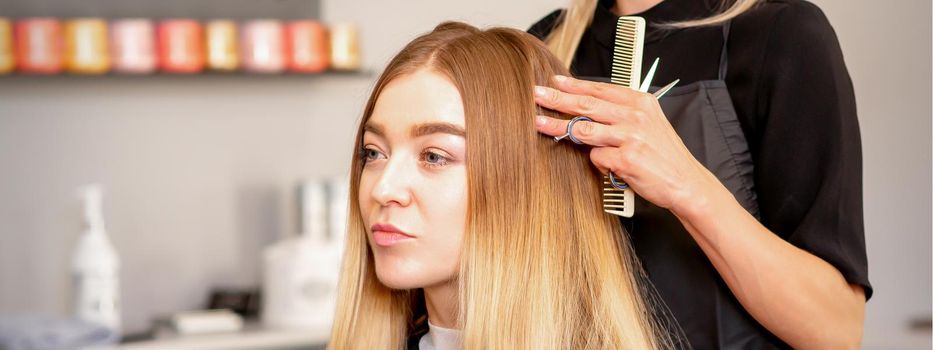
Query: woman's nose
pixel 394 184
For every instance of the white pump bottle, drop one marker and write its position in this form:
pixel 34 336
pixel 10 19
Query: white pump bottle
pixel 96 267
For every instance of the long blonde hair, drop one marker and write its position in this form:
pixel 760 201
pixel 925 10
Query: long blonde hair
pixel 565 38
pixel 542 266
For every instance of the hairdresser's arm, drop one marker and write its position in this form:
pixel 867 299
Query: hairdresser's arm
pixel 796 295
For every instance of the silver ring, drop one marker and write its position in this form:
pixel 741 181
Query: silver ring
pixel 616 184
pixel 569 133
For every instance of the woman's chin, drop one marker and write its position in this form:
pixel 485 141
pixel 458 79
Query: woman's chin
pixel 399 276
pixel 395 280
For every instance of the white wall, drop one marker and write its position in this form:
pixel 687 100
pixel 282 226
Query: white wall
pixel 200 171
pixel 887 49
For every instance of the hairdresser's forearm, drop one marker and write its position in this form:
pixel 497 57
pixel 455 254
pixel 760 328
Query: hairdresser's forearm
pixel 799 297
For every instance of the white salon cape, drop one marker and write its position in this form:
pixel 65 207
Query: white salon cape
pixel 439 338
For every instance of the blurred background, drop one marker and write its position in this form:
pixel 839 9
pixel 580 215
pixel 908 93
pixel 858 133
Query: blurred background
pixel 202 174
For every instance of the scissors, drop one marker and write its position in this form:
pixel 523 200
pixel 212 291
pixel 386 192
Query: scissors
pixel 647 82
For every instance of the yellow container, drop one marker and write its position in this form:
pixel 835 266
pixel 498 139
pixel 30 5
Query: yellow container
pixel 222 49
pixel 344 47
pixel 86 46
pixel 7 60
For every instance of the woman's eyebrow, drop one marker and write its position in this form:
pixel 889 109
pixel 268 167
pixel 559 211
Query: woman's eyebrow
pixel 434 128
pixel 375 129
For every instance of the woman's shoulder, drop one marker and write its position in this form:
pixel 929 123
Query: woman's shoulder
pixel 786 32
pixel 782 18
pixel 793 6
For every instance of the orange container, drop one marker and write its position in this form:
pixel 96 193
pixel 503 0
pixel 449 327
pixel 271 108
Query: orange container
pixel 222 49
pixel 263 46
pixel 132 44
pixel 7 61
pixel 86 46
pixel 181 46
pixel 308 46
pixel 38 45
pixel 344 47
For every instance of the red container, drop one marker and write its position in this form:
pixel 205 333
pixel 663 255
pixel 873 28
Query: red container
pixel 181 46
pixel 308 46
pixel 39 45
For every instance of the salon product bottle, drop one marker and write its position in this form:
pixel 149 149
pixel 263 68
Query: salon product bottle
pixel 38 44
pixel 308 46
pixel 132 45
pixel 181 46
pixel 96 267
pixel 7 60
pixel 222 48
pixel 86 46
pixel 300 277
pixel 344 47
pixel 263 46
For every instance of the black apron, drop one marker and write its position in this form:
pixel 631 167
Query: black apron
pixel 698 299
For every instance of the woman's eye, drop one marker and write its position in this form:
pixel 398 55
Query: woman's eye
pixel 433 159
pixel 370 154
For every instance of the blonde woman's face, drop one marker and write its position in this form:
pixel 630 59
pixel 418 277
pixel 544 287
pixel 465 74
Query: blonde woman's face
pixel 413 187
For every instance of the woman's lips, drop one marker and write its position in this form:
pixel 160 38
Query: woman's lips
pixel 386 235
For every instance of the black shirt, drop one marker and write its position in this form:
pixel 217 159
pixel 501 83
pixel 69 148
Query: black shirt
pixel 794 100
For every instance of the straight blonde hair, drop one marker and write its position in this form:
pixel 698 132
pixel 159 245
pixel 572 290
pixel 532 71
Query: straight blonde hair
pixel 542 266
pixel 565 38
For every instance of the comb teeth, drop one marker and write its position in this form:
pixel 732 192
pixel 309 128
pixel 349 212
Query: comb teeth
pixel 627 52
pixel 626 71
pixel 616 201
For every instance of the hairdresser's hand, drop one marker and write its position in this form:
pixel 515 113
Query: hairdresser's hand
pixel 631 137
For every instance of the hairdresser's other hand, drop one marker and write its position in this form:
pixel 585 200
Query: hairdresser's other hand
pixel 631 137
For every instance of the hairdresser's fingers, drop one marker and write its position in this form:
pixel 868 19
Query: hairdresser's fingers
pixel 610 92
pixel 590 133
pixel 599 110
pixel 610 159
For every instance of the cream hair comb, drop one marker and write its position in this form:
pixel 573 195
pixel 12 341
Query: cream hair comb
pixel 618 198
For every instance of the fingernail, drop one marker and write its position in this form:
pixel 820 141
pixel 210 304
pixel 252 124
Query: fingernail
pixel 540 120
pixel 540 91
pixel 560 78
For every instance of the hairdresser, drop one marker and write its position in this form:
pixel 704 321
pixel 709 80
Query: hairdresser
pixel 748 174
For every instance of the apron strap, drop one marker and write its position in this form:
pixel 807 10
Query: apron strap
pixel 723 56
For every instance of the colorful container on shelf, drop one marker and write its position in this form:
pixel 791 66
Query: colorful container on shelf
pixel 38 43
pixel 132 44
pixel 308 47
pixel 41 45
pixel 263 46
pixel 86 46
pixel 222 48
pixel 7 60
pixel 344 47
pixel 181 46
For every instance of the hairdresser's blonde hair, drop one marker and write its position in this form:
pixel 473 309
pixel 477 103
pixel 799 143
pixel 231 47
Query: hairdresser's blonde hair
pixel 542 266
pixel 565 38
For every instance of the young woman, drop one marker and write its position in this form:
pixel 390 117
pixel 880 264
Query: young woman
pixel 470 226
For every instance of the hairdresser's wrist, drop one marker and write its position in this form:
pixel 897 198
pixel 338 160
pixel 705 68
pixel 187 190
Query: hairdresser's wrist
pixel 706 199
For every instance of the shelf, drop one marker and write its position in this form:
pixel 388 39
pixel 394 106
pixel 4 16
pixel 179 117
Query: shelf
pixel 367 74
pixel 161 9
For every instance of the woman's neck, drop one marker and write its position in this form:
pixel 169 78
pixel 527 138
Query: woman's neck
pixel 630 7
pixel 442 303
